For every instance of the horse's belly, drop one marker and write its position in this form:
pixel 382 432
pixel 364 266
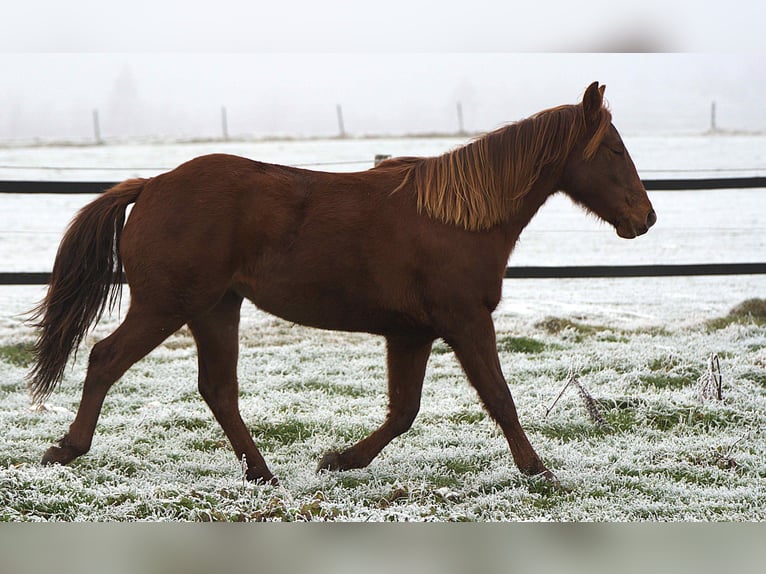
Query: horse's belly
pixel 328 306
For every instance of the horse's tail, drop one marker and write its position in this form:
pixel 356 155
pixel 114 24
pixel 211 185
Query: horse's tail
pixel 87 274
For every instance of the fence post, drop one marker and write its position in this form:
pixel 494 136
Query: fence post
pixel 341 127
pixel 224 124
pixel 379 157
pixel 460 127
pixel 97 128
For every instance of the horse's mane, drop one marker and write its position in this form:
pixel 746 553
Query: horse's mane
pixel 481 183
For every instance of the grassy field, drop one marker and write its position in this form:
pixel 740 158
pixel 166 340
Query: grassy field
pixel 661 453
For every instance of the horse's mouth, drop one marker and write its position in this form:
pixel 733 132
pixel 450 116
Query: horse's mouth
pixel 628 230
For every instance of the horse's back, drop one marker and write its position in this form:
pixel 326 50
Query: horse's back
pixel 308 246
pixel 269 200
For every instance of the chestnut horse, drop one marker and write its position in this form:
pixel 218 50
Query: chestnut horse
pixel 414 250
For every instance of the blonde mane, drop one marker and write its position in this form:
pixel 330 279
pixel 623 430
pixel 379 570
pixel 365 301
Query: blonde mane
pixel 482 183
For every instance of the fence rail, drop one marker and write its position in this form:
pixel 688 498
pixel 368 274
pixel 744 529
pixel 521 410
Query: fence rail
pixel 704 183
pixel 599 271
pixel 55 187
pixel 548 272
pixel 73 187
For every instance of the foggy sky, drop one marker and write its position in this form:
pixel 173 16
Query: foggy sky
pixel 386 25
pixel 165 68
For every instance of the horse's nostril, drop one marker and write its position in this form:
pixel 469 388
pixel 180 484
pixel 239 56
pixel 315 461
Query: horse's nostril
pixel 651 219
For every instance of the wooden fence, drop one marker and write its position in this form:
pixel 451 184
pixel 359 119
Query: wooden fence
pixel 527 272
pixel 72 187
pixel 569 272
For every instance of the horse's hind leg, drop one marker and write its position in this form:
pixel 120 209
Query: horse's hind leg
pixel 407 358
pixel 217 336
pixel 140 332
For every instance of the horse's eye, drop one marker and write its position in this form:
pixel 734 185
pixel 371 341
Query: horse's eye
pixel 619 150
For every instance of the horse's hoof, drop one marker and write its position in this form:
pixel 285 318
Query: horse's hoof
pixel 552 481
pixel 551 478
pixel 59 455
pixel 51 456
pixel 273 481
pixel 265 478
pixel 330 461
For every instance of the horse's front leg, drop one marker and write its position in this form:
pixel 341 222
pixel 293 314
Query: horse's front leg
pixel 475 347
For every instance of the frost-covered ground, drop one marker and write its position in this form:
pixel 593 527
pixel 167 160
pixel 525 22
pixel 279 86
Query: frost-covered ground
pixel 640 347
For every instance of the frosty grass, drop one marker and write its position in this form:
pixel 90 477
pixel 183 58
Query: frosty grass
pixel 158 454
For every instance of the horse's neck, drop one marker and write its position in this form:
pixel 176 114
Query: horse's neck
pixel 545 186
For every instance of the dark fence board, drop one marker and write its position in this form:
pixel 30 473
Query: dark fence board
pixel 594 271
pixel 72 187
pixel 704 183
pixel 565 272
pixel 55 187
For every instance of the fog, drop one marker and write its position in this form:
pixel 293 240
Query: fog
pixel 52 96
pixel 394 25
pixel 166 69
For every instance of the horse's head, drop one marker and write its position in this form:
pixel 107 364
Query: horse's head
pixel 599 174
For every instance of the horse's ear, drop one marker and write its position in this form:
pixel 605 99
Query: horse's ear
pixel 592 102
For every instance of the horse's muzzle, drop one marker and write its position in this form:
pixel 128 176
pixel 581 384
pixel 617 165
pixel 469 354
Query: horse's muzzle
pixel 651 219
pixel 628 230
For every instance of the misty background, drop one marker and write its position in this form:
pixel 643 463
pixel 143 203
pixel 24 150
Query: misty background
pixel 166 68
pixel 52 96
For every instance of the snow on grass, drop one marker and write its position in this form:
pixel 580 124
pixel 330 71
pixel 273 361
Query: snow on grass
pixel 158 454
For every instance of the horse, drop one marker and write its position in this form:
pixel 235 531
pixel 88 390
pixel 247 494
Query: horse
pixel 413 250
